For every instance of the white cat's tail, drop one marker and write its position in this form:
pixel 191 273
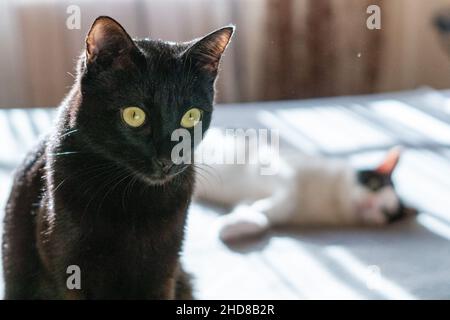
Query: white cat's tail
pixel 242 222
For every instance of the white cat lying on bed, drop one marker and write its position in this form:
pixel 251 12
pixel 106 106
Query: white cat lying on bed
pixel 306 191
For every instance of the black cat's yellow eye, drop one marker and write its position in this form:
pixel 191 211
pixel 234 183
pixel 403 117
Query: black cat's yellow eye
pixel 191 118
pixel 133 116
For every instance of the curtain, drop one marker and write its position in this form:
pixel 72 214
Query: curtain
pixel 283 49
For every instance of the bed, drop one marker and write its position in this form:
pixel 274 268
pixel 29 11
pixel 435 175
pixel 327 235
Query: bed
pixel 409 259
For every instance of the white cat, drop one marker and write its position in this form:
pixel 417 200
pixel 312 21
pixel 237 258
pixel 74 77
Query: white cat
pixel 306 191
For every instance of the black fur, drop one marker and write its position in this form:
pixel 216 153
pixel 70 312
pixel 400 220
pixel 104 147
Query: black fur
pixel 93 194
pixel 375 181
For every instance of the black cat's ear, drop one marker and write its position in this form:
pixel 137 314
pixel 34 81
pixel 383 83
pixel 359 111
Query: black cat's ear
pixel 107 38
pixel 207 51
pixel 390 161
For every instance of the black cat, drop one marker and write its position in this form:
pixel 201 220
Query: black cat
pixel 101 192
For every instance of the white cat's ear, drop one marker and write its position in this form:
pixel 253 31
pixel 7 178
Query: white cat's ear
pixel 390 162
pixel 107 37
pixel 207 51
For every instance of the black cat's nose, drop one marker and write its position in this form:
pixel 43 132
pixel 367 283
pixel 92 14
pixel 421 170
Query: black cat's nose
pixel 165 164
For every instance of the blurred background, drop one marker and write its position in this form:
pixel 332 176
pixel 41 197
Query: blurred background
pixel 286 49
pixel 314 71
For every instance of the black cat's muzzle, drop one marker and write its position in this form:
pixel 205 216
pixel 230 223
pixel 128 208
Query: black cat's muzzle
pixel 164 170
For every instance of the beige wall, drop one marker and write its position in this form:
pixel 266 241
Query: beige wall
pixel 283 49
pixel 414 55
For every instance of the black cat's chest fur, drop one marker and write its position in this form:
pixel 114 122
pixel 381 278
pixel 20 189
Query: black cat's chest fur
pixel 124 234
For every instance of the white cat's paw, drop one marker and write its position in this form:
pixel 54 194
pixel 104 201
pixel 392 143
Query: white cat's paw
pixel 243 222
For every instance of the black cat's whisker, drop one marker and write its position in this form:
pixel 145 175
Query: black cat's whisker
pixel 205 178
pixel 214 171
pixel 94 191
pixel 69 132
pixel 128 189
pixel 201 175
pixel 65 153
pixel 119 180
pixel 214 175
pixel 60 184
pixel 104 172
pixel 84 171
pixel 116 175
pixel 180 178
pixel 99 171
